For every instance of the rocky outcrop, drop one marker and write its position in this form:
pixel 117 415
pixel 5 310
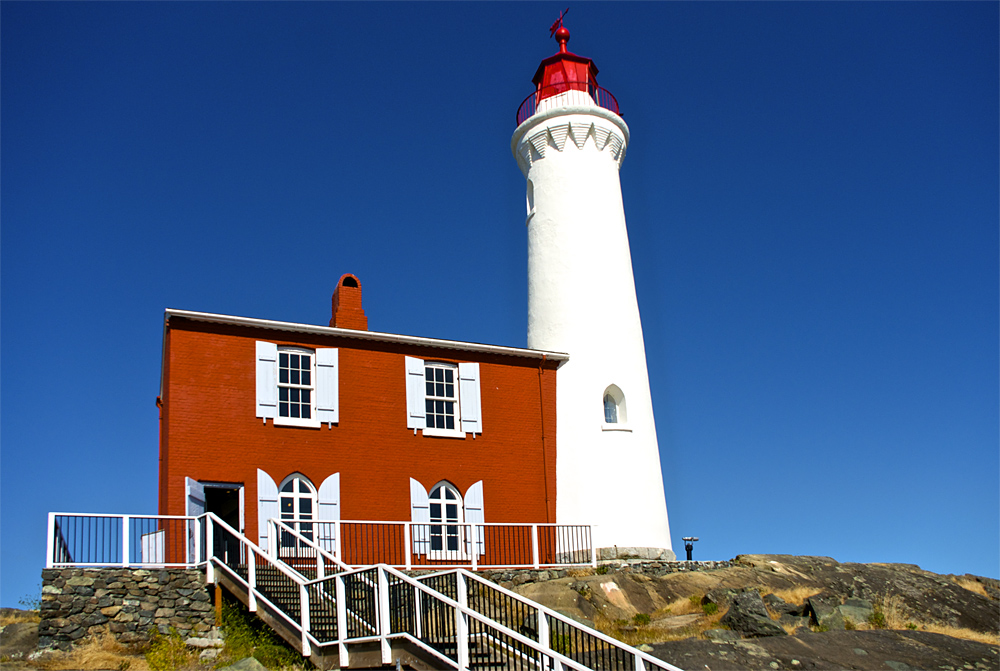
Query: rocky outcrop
pixel 878 650
pixel 748 615
pixel 831 601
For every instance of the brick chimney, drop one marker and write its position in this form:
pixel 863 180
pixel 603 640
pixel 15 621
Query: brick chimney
pixel 347 310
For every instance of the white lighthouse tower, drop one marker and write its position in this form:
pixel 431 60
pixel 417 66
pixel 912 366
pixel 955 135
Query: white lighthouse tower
pixel 570 143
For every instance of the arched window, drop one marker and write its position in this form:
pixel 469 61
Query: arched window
pixel 446 516
pixel 298 505
pixel 610 409
pixel 615 411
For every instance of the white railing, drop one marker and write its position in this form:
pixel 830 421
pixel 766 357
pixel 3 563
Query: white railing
pixel 452 616
pixel 75 539
pixel 555 641
pixel 409 545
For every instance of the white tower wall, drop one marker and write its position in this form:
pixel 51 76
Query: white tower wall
pixel 581 300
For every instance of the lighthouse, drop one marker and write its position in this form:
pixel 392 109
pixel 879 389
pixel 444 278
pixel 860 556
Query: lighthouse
pixel 569 143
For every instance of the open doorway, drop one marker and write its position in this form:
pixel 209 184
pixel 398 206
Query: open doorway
pixel 225 501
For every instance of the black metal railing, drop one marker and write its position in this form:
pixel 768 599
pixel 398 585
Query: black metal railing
pixel 577 93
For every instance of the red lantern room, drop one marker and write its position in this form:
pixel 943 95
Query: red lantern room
pixel 570 77
pixel 564 71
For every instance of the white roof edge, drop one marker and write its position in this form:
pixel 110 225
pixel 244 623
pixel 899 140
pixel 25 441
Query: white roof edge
pixel 366 335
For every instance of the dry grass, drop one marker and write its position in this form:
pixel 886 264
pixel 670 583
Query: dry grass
pixel 681 606
pixel 991 638
pixel 656 631
pixel 101 652
pixel 579 572
pixel 796 595
pixel 15 616
pixel 892 607
pixel 971 585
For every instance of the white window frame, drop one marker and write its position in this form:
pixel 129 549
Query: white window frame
pixel 460 553
pixel 296 520
pixel 323 388
pixel 313 419
pixel 455 400
pixel 467 399
pixel 618 396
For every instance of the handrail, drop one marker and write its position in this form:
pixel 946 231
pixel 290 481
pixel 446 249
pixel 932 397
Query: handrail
pixel 599 96
pixel 279 525
pixel 544 610
pixel 468 612
pixel 368 610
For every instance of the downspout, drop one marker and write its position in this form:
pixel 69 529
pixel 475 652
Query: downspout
pixel 541 407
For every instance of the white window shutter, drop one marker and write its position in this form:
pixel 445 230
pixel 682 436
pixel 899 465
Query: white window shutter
pixel 194 491
pixel 327 386
pixel 416 412
pixel 267 380
pixel 194 505
pixel 469 397
pixel 420 515
pixel 329 511
pixel 267 505
pixel 474 515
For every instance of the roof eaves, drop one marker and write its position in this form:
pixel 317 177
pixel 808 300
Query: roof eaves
pixel 366 335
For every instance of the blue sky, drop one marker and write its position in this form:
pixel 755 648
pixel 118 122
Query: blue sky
pixel 811 195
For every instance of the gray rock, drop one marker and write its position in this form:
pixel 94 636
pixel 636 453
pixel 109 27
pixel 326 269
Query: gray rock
pixel 857 614
pixel 208 655
pixel 748 616
pixel 248 664
pixel 721 635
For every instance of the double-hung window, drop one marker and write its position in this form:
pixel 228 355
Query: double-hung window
pixel 297 386
pixel 443 399
pixel 441 396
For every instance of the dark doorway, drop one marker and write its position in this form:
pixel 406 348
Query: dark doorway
pixel 224 501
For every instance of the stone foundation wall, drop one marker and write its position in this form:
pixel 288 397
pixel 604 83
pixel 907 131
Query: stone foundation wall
pixel 80 602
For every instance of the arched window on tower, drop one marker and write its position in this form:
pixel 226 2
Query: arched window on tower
pixel 610 409
pixel 615 410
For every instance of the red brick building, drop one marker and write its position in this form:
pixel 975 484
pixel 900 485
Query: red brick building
pixel 262 419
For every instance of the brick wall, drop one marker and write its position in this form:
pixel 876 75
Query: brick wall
pixel 210 431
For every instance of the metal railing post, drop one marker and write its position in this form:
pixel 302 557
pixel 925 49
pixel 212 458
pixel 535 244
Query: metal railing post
pixel 473 546
pixel 210 549
pixel 251 580
pixel 639 664
pixel 543 634
pixel 125 539
pixel 418 598
pixel 462 623
pixel 384 621
pixel 341 620
pixel 50 542
pixel 593 548
pixel 304 619
pixel 336 540
pixel 272 538
pixel 407 548
pixel 209 537
pixel 534 545
pixel 196 552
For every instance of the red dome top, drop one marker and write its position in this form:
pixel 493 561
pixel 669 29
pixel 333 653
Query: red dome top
pixel 565 71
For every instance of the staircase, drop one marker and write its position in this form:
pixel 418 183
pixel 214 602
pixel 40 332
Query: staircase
pixel 338 616
pixel 376 616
